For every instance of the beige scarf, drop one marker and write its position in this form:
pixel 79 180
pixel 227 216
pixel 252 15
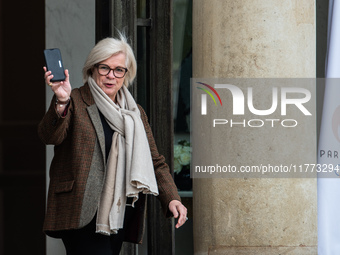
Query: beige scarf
pixel 129 167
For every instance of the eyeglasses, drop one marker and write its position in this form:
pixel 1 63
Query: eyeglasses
pixel 118 72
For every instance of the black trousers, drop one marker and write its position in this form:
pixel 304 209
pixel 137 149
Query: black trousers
pixel 86 241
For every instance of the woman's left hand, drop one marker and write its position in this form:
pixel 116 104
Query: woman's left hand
pixel 178 209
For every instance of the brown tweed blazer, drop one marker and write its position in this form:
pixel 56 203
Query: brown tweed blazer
pixel 78 167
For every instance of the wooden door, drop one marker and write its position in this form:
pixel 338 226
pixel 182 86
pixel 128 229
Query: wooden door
pixel 148 23
pixel 22 105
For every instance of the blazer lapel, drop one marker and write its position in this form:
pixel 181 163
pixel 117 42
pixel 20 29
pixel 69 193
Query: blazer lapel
pixel 95 118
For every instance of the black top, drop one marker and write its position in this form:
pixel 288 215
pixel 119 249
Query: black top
pixel 108 132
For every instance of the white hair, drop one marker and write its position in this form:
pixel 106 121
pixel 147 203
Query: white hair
pixel 106 48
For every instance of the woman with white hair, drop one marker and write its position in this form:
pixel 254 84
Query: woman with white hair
pixel 105 158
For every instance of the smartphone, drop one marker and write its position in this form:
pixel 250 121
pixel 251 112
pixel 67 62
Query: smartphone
pixel 54 64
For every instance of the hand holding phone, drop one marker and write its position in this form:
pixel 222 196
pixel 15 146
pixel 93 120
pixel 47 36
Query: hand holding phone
pixel 56 76
pixel 54 64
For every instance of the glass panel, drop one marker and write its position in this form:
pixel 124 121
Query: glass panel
pixel 141 9
pixel 182 72
pixel 142 82
pixel 142 69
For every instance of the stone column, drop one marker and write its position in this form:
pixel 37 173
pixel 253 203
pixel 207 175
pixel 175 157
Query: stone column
pixel 256 39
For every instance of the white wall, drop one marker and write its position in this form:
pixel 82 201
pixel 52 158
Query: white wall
pixel 70 26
